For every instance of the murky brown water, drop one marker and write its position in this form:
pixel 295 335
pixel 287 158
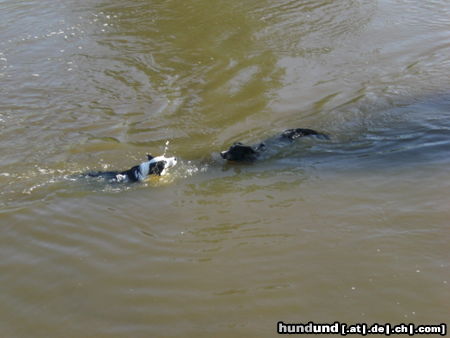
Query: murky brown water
pixel 355 229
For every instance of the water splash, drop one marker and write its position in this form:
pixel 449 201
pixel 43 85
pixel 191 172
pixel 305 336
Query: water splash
pixel 166 147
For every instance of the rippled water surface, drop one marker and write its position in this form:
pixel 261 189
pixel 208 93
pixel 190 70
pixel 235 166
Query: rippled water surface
pixel 354 229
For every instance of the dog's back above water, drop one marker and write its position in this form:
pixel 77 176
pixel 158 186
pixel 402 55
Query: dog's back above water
pixel 239 152
pixel 153 166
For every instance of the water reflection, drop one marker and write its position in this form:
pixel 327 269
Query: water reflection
pixel 201 60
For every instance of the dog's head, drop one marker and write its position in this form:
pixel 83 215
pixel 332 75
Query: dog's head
pixel 239 152
pixel 157 165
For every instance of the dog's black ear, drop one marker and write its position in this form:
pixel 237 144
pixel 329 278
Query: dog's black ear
pixel 149 157
pixel 160 167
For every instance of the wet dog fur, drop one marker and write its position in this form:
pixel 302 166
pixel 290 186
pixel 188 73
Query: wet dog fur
pixel 153 166
pixel 240 152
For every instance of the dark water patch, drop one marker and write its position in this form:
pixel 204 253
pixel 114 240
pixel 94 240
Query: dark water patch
pixel 403 135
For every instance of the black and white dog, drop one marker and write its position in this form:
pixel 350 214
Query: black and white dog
pixel 154 166
pixel 239 152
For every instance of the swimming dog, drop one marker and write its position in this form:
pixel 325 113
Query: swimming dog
pixel 239 152
pixel 153 166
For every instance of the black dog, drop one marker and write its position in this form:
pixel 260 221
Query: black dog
pixel 154 166
pixel 239 152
